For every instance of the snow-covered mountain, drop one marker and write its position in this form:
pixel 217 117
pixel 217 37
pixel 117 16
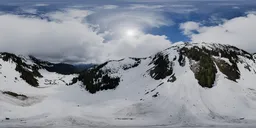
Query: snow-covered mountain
pixel 184 85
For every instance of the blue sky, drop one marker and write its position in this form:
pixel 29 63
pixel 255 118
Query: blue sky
pixel 119 28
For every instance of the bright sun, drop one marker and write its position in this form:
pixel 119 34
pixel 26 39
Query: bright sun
pixel 130 32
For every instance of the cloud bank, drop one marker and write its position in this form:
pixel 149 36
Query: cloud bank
pixel 238 31
pixel 88 36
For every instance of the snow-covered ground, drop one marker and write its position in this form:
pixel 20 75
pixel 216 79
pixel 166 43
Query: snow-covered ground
pixel 183 103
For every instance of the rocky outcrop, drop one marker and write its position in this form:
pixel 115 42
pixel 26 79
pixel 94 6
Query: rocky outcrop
pixel 97 78
pixel 28 73
pixel 162 67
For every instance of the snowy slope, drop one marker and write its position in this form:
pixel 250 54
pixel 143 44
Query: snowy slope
pixel 167 89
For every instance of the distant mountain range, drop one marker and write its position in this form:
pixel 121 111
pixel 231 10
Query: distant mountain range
pixel 188 84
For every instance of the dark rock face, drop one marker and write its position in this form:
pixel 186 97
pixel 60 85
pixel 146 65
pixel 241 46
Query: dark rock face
pixel 172 78
pixel 207 63
pixel 19 96
pixel 162 67
pixel 28 75
pixel 155 95
pixel 207 72
pixel 182 60
pixel 100 77
pixel 97 79
pixel 61 68
pixel 232 72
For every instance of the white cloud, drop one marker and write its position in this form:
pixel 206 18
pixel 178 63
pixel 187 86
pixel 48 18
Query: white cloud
pixel 181 5
pixel 177 8
pixel 108 7
pixel 215 19
pixel 141 46
pixel 117 22
pixel 47 39
pixel 251 12
pixel 143 6
pixel 30 10
pixel 189 27
pixel 223 4
pixel 142 18
pixel 71 38
pixel 239 31
pixel 69 15
pixel 127 18
pixel 236 7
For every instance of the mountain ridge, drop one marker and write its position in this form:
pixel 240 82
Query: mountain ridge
pixel 184 85
pixel 200 55
pixel 206 59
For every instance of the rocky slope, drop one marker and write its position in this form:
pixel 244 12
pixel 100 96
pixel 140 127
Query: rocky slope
pixel 204 60
pixel 28 67
pixel 184 85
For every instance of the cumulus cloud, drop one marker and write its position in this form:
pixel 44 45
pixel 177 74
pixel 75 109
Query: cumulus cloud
pixel 238 31
pixel 112 24
pixel 47 39
pixel 189 27
pixel 70 37
pixel 143 19
pixel 141 46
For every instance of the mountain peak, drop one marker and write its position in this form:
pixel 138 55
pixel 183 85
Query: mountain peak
pixel 203 59
pixel 190 80
pixel 27 69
